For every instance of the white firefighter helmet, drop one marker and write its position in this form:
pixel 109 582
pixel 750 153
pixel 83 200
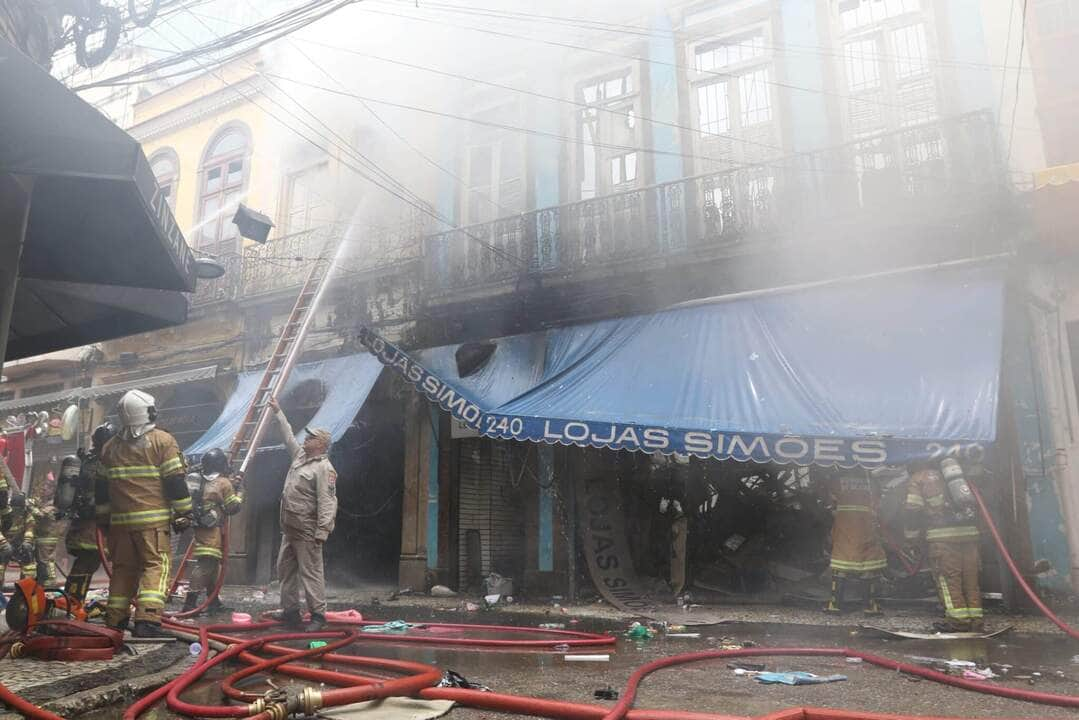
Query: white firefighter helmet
pixel 137 413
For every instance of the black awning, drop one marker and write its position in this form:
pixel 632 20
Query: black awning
pixel 96 213
pixel 53 315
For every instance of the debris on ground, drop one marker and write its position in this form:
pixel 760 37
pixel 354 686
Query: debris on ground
pixel 796 678
pixel 587 658
pixel 453 679
pixel 442 591
pixel 607 693
pixel 393 626
pixel 637 631
pixel 552 626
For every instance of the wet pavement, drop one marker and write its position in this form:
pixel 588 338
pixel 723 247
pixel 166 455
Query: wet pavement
pixel 711 686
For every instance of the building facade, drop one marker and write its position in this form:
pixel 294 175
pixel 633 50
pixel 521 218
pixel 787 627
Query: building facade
pixel 689 151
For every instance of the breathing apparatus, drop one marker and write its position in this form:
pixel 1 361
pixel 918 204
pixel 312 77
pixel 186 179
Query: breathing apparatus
pixel 67 485
pixel 958 490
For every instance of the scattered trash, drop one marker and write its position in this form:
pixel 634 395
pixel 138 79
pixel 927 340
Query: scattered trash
pixel 746 666
pixel 454 679
pixel 442 591
pixel 730 646
pixel 258 596
pixel 587 658
pixel 316 644
pixel 607 693
pixel 471 607
pixel 553 626
pixel 561 647
pixel 797 678
pixel 195 648
pixel 1075 659
pixel 734 542
pixel 240 618
pixel 854 660
pixel 982 674
pixel 499 585
pixel 345 616
pixel 676 628
pixel 393 626
pixel 640 632
pixel 684 635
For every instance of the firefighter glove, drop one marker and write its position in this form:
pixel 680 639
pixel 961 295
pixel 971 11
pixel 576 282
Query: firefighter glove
pixel 25 552
pixel 181 522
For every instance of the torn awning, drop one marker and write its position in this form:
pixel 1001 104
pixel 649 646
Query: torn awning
pixel 97 215
pixel 867 372
pixel 347 382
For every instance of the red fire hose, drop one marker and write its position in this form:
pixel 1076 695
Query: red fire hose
pixel 1053 617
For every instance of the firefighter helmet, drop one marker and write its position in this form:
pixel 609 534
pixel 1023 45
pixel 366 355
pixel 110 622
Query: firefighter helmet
pixel 215 461
pixel 137 413
pixel 102 434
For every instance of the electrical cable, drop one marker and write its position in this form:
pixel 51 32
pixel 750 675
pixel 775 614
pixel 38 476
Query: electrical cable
pixel 1018 78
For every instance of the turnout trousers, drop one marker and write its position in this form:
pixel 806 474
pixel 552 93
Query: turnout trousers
pixel 81 542
pixel 299 566
pixel 955 571
pixel 208 555
pixel 140 564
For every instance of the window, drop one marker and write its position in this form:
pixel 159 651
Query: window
pixel 166 170
pixel 610 88
pixel 304 207
pixel 609 120
pixel 910 51
pixel 863 64
pixel 223 181
pixel 886 59
pixel 717 56
pixel 755 98
pixel 495 167
pixel 733 86
pixel 854 14
pixel 712 108
pixel 623 169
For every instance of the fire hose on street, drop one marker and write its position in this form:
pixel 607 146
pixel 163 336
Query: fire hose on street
pixel 416 679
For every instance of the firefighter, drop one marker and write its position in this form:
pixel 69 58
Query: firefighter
pixel 308 510
pixel 939 509
pixel 81 540
pixel 857 552
pixel 7 486
pixel 213 498
pixel 144 494
pixel 55 500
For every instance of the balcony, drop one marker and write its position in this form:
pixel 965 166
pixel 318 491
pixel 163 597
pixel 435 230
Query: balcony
pixel 934 168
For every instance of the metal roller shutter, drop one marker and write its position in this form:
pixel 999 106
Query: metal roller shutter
pixel 491 536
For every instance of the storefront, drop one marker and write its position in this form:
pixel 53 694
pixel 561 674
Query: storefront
pixel 755 395
pixel 345 396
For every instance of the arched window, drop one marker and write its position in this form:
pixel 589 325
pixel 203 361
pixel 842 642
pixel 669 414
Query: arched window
pixel 166 168
pixel 221 187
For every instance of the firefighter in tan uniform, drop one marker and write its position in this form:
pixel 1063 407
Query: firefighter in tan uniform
pixel 939 509
pixel 308 511
pixel 145 494
pixel 30 516
pixel 81 540
pixel 857 552
pixel 214 498
pixel 7 487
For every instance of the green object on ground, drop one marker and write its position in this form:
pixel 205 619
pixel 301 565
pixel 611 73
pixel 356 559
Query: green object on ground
pixel 317 644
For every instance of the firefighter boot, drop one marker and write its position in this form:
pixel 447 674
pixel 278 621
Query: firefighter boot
pixel 292 618
pixel 872 606
pixel 77 586
pixel 834 602
pixel 977 625
pixel 147 629
pixel 317 624
pixel 191 602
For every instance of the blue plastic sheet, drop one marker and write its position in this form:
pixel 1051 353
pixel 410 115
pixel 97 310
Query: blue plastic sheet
pixel 855 373
pixel 347 380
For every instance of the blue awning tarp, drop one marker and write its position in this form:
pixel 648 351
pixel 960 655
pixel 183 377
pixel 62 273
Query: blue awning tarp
pixel 347 381
pixel 868 372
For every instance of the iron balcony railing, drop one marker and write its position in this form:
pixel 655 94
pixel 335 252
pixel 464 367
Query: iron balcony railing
pixel 939 162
